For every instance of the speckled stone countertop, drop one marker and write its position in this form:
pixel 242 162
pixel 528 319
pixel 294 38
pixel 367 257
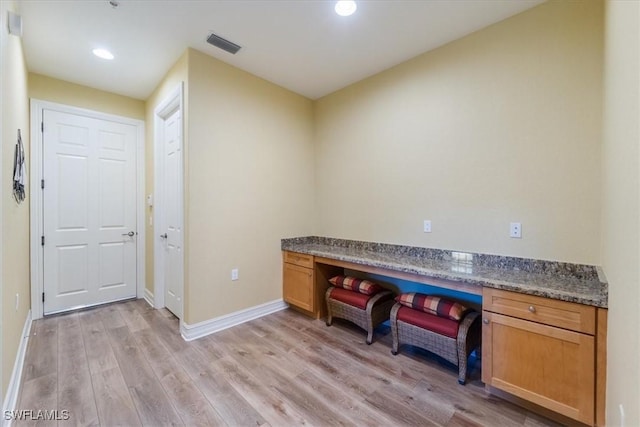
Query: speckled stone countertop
pixel 584 284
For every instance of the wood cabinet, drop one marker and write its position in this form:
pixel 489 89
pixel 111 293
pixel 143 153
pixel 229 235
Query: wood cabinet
pixel 305 281
pixel 541 350
pixel 298 286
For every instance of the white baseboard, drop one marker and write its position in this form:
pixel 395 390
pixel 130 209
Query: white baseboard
pixel 149 298
pixel 199 330
pixel 11 399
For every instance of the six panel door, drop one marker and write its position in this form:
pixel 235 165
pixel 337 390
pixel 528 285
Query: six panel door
pixel 89 211
pixel 172 213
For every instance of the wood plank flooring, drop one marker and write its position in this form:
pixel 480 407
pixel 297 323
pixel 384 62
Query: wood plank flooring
pixel 126 364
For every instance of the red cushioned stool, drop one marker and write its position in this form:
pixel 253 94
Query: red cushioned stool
pixel 440 326
pixel 358 301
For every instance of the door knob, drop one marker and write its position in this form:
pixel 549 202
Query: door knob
pixel 163 236
pixel 485 321
pixel 130 234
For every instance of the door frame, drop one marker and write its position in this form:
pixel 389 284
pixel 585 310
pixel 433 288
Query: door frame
pixel 36 206
pixel 174 101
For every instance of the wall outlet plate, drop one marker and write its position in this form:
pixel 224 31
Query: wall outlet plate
pixel 515 230
pixel 234 274
pixel 426 227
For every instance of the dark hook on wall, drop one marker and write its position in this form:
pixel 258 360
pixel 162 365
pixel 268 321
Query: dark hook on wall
pixel 19 171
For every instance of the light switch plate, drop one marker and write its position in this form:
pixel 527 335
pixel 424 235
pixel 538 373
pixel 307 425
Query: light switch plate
pixel 15 24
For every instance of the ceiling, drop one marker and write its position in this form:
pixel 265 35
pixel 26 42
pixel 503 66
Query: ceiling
pixel 302 45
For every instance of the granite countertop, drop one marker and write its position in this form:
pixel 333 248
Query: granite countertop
pixel 580 283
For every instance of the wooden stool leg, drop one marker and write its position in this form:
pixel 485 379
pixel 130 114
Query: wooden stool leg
pixel 393 321
pixel 468 339
pixel 462 372
pixel 394 347
pixel 329 315
pixel 369 327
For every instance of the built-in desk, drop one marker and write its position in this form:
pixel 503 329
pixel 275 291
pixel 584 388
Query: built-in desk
pixel 544 322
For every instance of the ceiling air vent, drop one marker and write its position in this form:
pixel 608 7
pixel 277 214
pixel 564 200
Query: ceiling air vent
pixel 223 44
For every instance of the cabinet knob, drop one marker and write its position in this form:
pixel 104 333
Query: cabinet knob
pixel 532 309
pixel 485 321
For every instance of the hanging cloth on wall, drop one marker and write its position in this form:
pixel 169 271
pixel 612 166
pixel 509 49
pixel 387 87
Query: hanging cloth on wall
pixel 19 171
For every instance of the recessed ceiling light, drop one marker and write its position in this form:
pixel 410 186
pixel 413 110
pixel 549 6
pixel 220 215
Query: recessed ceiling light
pixel 346 7
pixel 103 53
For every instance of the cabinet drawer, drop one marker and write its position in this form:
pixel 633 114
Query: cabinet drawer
pixel 562 314
pixel 303 260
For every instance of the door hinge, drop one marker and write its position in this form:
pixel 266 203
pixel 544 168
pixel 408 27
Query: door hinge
pixel 42 240
pixel 42 184
pixel 42 126
pixel 43 297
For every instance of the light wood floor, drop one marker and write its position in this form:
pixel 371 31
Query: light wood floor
pixel 126 364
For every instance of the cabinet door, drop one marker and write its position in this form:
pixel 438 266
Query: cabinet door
pixel 549 366
pixel 298 286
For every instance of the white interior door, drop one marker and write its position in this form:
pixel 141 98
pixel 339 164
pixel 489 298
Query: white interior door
pixel 171 233
pixel 89 205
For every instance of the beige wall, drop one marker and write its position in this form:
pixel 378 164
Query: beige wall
pixel 249 183
pixel 501 126
pixel 177 74
pixel 621 210
pixel 62 92
pixel 15 218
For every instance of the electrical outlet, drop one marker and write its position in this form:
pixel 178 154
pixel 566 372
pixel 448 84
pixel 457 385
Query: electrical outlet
pixel 17 301
pixel 234 274
pixel 515 230
pixel 427 226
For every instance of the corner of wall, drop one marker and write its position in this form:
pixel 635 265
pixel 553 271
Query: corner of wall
pixel 621 209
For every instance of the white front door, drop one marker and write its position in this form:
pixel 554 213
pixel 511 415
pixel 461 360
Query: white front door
pixel 172 211
pixel 89 206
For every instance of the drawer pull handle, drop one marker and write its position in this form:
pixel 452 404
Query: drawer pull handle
pixel 485 321
pixel 532 309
